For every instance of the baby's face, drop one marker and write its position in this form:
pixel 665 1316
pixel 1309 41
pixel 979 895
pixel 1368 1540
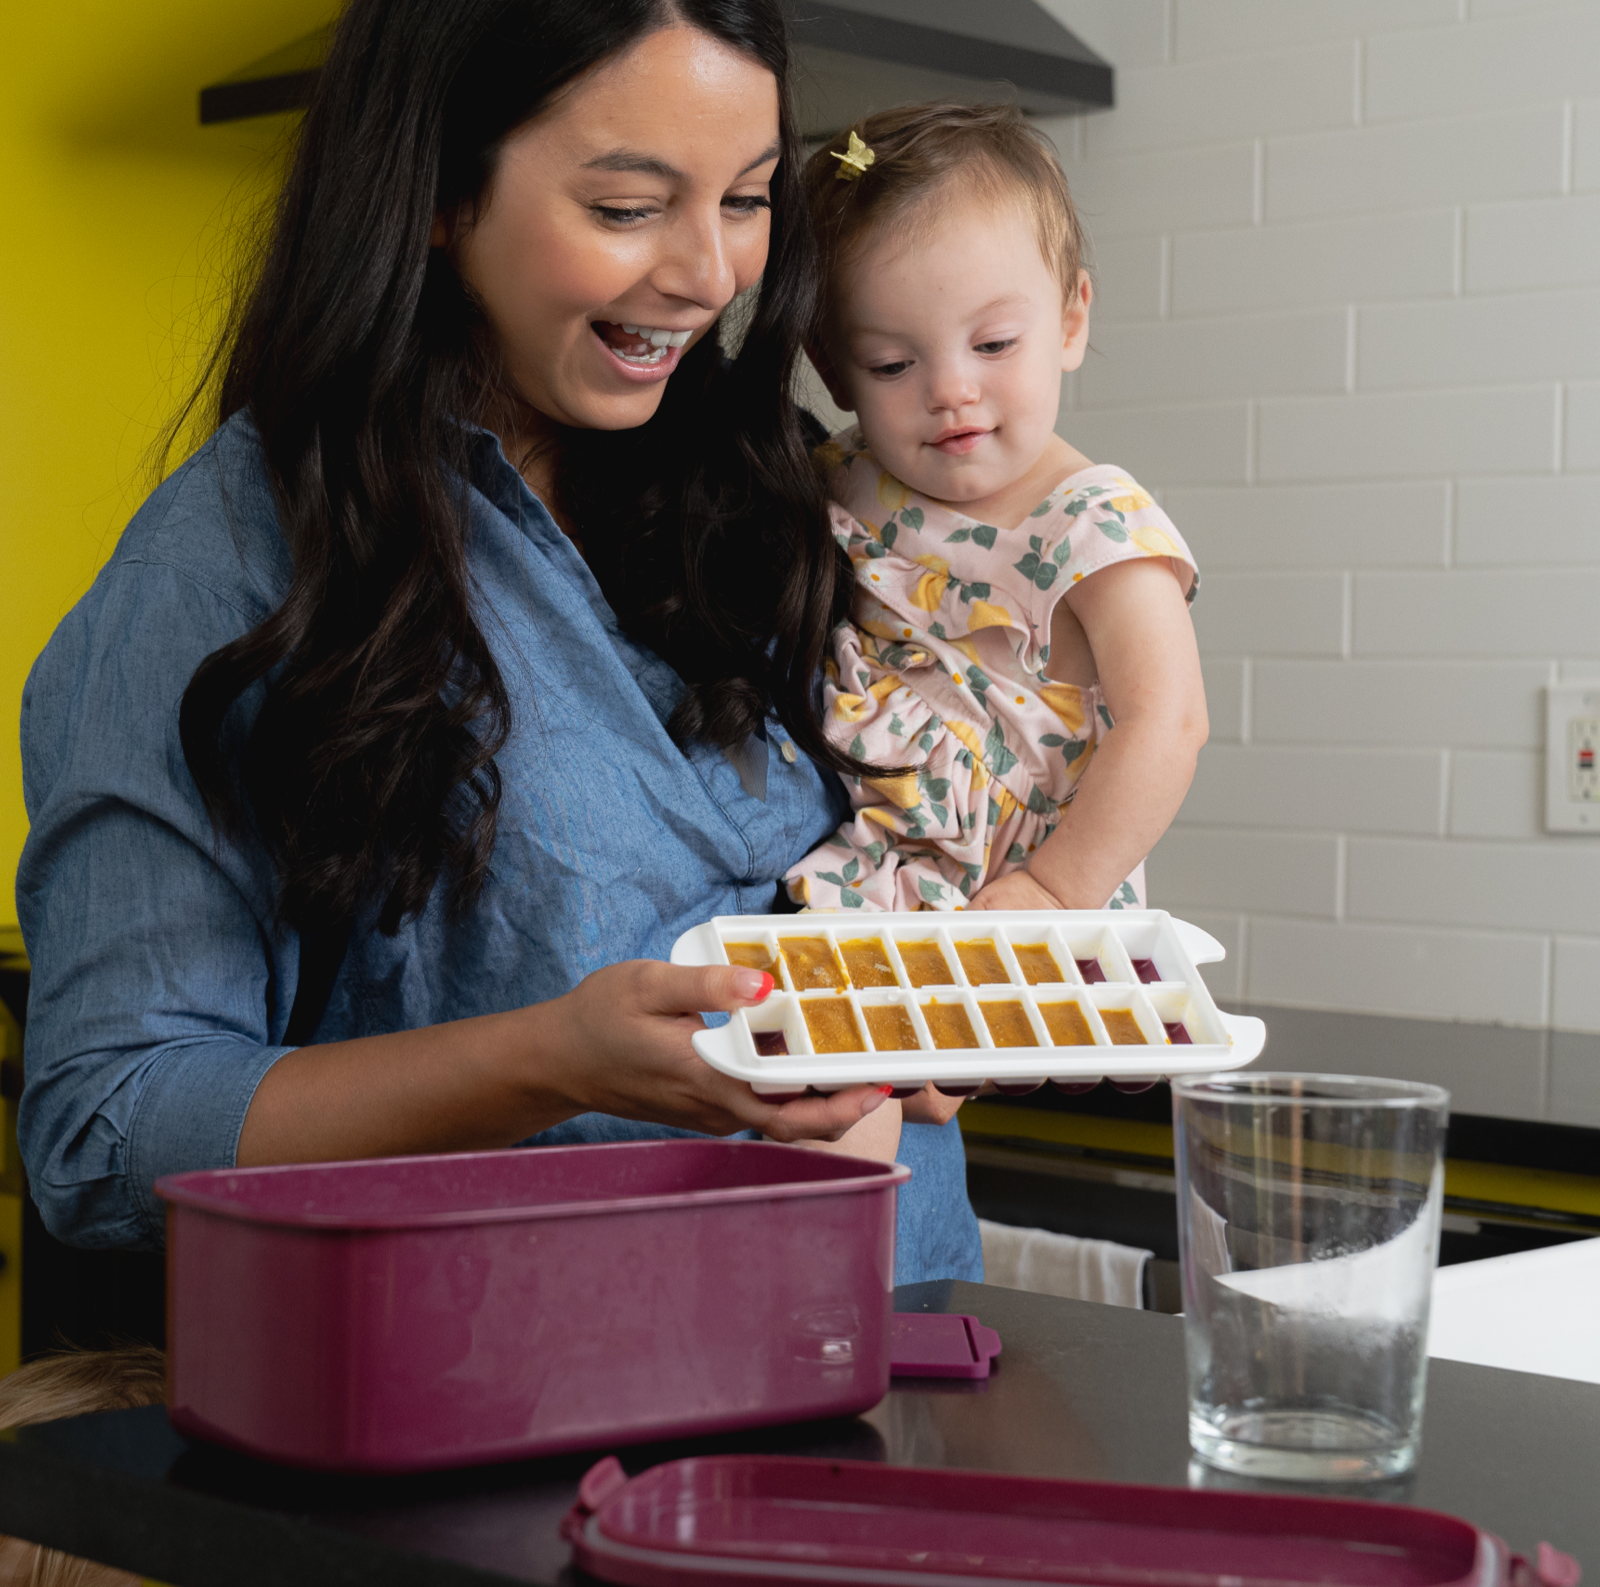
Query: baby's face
pixel 949 346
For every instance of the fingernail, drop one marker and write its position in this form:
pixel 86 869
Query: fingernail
pixel 752 986
pixel 888 1091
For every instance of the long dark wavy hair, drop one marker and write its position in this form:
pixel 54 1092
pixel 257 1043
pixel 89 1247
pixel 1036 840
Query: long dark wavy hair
pixel 369 769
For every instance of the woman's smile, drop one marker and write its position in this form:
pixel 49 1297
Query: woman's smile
pixel 643 352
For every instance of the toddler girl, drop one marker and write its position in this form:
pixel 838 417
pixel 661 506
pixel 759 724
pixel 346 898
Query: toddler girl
pixel 1013 600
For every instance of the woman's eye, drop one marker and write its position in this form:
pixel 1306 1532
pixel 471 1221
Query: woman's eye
pixel 615 215
pixel 995 347
pixel 747 204
pixel 889 371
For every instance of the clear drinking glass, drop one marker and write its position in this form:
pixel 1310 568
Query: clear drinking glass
pixel 1308 1225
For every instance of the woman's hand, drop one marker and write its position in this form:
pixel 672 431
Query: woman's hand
pixel 633 1024
pixel 620 1042
pixel 1014 890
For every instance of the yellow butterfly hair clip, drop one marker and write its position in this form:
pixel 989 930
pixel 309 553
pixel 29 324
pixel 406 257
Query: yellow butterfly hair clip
pixel 854 161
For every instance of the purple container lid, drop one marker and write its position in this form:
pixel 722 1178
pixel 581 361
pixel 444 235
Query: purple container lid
pixel 748 1519
pixel 926 1344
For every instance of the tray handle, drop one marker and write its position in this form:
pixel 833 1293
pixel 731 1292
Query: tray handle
pixel 1201 946
pixel 696 946
pixel 1249 1036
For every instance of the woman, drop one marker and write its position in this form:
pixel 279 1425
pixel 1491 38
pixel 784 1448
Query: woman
pixel 472 658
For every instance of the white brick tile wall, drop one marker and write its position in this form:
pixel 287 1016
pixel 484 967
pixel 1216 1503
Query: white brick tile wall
pixel 1193 445
pixel 1180 360
pixel 1508 612
pixel 1395 435
pixel 1575 1002
pixel 1524 59
pixel 1213 28
pixel 1542 242
pixel 1458 704
pixel 1349 790
pixel 1586 146
pixel 1496 794
pixel 1130 33
pixel 1581 442
pixel 1460 975
pixel 1348 257
pixel 1405 524
pixel 1272 614
pixel 1474 341
pixel 1416 165
pixel 1186 187
pixel 1272 873
pixel 1516 522
pixel 1224 100
pixel 1225 680
pixel 1311 263
pixel 1127 276
pixel 1553 886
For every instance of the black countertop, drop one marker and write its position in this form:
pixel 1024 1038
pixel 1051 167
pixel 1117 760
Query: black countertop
pixel 1084 1391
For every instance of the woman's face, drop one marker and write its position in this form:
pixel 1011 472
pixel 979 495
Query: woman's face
pixel 621 221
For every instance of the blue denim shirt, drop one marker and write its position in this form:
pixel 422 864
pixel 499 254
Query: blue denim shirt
pixel 161 987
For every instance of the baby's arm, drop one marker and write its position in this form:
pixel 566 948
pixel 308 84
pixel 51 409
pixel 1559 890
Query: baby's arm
pixel 1137 626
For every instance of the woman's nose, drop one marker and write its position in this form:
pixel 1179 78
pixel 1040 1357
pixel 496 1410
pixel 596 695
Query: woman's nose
pixel 696 265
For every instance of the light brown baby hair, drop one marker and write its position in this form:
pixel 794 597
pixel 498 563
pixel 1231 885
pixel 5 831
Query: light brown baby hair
pixel 73 1383
pixel 986 151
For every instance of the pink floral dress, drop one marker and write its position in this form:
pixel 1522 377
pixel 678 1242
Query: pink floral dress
pixel 944 669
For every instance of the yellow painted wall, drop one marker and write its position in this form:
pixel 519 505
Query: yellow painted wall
pixel 119 211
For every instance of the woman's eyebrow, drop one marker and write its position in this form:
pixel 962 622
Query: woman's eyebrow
pixel 637 164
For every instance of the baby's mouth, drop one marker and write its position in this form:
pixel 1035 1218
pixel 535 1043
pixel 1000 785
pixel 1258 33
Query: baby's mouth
pixel 643 345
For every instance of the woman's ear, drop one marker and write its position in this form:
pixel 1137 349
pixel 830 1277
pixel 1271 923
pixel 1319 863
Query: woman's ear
pixel 439 237
pixel 1075 322
pixel 818 354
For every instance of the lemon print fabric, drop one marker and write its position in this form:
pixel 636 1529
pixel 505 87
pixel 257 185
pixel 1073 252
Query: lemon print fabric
pixel 941 678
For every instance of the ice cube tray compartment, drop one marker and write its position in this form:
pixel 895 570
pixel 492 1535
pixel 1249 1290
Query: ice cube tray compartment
pixel 1140 961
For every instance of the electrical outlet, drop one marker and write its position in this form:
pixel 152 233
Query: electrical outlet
pixel 1572 758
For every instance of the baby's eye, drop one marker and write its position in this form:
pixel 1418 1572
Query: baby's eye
pixel 996 347
pixel 888 371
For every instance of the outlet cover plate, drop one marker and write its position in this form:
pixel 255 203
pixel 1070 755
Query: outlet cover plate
pixel 1572 758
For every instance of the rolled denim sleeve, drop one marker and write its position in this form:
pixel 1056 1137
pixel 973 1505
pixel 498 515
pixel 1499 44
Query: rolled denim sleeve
pixel 159 982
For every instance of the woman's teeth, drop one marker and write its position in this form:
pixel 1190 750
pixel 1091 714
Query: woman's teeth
pixel 651 345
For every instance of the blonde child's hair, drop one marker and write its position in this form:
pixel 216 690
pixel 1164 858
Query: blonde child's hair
pixel 74 1383
pixel 989 150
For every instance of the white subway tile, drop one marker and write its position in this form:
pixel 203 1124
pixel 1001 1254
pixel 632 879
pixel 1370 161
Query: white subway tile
pixel 1388 436
pixel 1226 977
pixel 1241 96
pixel 1575 1001
pixel 1526 59
pixel 1515 154
pixel 1553 521
pixel 1174 360
pixel 1235 27
pixel 1586 146
pixel 1491 8
pixel 1479 340
pixel 1581 442
pixel 1507 612
pixel 1127 281
pixel 1550 886
pixel 1316 262
pixel 1347 790
pixel 1314 526
pixel 1581 670
pixel 1496 794
pixel 1574 1079
pixel 1454 704
pixel 1457 975
pixel 1225 685
pixel 1271 614
pixel 1161 446
pixel 1178 188
pixel 1127 33
pixel 1277 873
pixel 1539 242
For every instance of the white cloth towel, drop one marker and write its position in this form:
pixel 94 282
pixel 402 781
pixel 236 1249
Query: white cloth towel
pixel 1062 1264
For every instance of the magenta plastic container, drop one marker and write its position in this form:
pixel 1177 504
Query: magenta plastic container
pixel 412 1313
pixel 743 1520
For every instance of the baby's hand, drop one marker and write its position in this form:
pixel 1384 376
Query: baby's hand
pixel 1014 890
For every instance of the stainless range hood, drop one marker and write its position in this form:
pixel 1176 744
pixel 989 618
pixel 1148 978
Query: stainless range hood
pixel 852 56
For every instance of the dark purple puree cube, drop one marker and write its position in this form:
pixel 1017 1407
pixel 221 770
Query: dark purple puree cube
pixel 770 1043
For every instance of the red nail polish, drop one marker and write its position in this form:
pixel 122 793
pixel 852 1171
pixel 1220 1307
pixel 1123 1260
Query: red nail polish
pixel 767 984
pixel 888 1091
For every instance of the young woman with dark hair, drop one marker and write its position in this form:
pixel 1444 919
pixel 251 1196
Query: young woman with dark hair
pixel 474 657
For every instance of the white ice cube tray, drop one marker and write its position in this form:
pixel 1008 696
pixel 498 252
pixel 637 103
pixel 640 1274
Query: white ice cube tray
pixel 1108 943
